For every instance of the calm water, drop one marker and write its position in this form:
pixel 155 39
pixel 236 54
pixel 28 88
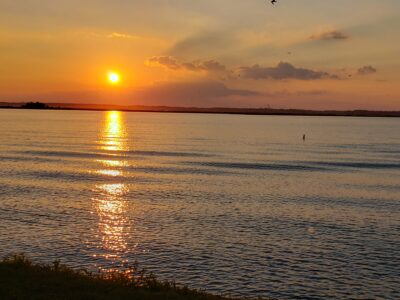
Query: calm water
pixel 231 204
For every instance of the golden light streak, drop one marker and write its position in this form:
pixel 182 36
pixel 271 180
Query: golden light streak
pixel 112 173
pixel 110 203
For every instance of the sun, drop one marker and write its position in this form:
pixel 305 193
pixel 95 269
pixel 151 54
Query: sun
pixel 114 77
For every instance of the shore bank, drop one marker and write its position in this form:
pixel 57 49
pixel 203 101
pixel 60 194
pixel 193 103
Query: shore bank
pixel 20 278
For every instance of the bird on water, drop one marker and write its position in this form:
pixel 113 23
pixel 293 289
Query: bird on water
pixel 273 2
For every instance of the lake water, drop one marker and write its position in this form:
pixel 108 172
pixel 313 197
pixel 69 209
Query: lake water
pixel 237 205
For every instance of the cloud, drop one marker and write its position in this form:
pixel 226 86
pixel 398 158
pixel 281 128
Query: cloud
pixel 168 62
pixel 209 65
pixel 330 35
pixel 172 63
pixel 283 71
pixel 366 70
pixel 121 36
pixel 212 43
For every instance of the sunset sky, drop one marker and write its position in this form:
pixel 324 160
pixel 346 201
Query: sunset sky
pixel 318 54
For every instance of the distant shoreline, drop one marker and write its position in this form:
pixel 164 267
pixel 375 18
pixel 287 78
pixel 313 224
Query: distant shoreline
pixel 210 110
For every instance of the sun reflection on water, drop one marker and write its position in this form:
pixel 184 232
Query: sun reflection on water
pixel 110 203
pixel 112 163
pixel 112 173
pixel 113 223
pixel 113 138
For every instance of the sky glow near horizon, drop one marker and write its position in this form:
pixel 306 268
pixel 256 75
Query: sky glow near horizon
pixel 236 53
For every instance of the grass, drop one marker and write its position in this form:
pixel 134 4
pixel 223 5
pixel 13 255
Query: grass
pixel 20 278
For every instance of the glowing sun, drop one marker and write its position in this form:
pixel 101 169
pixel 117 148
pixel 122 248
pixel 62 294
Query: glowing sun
pixel 113 77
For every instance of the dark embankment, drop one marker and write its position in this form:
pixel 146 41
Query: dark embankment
pixel 21 279
pixel 202 110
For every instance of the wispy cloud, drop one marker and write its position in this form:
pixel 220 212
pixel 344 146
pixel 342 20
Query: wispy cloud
pixel 118 35
pixel 209 65
pixel 168 62
pixel 330 35
pixel 284 71
pixel 173 63
pixel 366 70
pixel 212 43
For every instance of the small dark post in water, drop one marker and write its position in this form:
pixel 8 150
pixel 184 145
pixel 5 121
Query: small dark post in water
pixel 304 137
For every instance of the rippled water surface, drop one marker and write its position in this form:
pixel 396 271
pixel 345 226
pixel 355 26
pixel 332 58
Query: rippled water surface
pixel 231 204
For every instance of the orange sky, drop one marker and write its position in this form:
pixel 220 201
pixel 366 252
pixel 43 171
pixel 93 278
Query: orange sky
pixel 298 54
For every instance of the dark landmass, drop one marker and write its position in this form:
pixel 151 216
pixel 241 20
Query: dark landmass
pixel 35 105
pixel 209 110
pixel 21 279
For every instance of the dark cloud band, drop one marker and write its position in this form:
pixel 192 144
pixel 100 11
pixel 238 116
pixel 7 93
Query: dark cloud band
pixel 283 71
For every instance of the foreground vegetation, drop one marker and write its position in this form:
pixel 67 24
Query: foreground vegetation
pixel 22 279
